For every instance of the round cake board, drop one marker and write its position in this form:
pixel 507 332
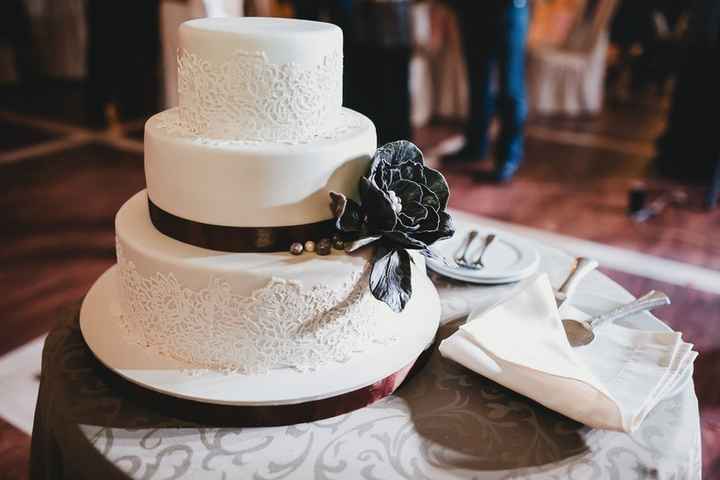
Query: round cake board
pixel 362 380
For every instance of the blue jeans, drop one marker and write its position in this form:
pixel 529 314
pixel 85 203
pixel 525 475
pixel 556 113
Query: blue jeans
pixel 495 41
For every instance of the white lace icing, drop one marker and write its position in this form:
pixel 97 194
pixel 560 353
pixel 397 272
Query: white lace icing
pixel 170 121
pixel 247 98
pixel 280 325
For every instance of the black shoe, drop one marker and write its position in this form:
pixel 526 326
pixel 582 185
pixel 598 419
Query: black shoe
pixel 493 176
pixel 464 156
pixel 504 176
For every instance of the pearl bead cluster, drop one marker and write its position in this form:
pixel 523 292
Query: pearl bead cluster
pixel 322 247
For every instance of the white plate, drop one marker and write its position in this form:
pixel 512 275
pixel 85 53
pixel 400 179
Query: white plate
pixel 508 259
pixel 457 274
pixel 106 338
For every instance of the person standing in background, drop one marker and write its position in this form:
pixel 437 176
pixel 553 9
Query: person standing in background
pixel 334 11
pixel 689 147
pixel 122 79
pixel 494 37
pixel 15 31
pixel 378 49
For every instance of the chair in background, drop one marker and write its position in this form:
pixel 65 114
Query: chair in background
pixel 15 40
pixel 568 78
pixel 552 21
pixel 42 38
pixel 438 74
pixel 172 14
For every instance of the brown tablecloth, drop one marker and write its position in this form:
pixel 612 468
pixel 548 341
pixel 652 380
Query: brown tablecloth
pixel 445 422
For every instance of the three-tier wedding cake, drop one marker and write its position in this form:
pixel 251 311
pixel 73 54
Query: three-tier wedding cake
pixel 236 174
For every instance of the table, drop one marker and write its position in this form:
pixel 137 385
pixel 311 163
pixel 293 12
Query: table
pixel 446 422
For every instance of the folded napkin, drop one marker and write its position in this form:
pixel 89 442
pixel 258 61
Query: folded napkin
pixel 612 383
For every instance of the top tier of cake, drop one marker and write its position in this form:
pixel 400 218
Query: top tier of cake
pixel 259 79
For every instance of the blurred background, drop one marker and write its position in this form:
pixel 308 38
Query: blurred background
pixel 588 124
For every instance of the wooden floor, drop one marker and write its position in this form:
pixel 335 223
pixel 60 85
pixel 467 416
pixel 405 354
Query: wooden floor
pixel 57 212
pixel 14 452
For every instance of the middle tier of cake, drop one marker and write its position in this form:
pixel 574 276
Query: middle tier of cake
pixel 254 184
pixel 250 312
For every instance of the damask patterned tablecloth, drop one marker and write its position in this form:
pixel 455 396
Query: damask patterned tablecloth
pixel 445 422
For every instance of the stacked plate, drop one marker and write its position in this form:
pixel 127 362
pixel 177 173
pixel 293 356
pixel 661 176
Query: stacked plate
pixel 507 259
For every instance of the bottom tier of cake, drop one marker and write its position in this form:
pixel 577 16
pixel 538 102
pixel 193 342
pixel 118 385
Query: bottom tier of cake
pixel 249 312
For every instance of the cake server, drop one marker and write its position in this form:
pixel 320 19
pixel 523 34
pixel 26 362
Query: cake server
pixel 580 332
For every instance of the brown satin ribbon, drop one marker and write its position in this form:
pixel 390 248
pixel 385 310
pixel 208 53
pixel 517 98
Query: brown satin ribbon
pixel 237 239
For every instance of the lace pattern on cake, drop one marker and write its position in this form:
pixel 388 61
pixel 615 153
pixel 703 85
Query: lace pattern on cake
pixel 280 325
pixel 171 123
pixel 247 98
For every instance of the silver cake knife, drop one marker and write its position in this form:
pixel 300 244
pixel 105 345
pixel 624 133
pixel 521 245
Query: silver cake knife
pixel 581 267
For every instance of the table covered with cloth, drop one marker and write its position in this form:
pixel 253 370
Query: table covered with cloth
pixel 444 422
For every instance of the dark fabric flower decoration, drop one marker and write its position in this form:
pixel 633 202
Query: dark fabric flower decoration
pixel 402 207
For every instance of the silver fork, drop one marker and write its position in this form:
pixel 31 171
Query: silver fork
pixel 478 263
pixel 460 256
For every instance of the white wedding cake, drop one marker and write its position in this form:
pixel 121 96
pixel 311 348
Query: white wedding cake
pixel 240 169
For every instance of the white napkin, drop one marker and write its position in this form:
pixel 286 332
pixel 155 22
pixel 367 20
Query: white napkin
pixel 612 383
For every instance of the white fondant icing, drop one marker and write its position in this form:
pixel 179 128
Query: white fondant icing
pixel 254 185
pixel 248 312
pixel 259 140
pixel 259 79
pixel 286 386
pixel 283 40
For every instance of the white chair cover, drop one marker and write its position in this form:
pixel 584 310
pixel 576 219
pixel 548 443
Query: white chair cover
pixel 172 14
pixel 566 82
pixel 568 78
pixel 66 40
pixel 438 74
pixel 59 39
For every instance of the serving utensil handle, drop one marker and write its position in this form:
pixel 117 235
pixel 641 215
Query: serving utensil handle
pixel 648 301
pixel 582 267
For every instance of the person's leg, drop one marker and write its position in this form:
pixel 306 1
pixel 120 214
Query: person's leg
pixel 99 79
pixel 512 103
pixel 307 9
pixel 393 96
pixel 137 61
pixel 15 30
pixel 478 25
pixel 681 143
pixel 340 12
pixel 365 83
pixel 482 102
